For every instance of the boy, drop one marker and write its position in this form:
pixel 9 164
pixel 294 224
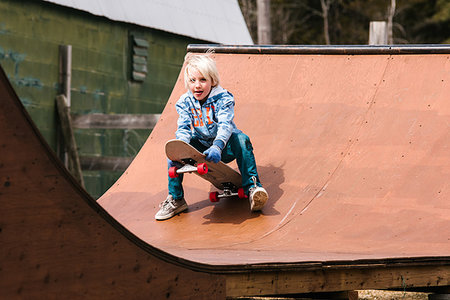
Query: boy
pixel 205 120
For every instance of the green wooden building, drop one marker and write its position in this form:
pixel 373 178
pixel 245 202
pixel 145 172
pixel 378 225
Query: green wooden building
pixel 125 58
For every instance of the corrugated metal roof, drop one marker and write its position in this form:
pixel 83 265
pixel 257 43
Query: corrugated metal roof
pixel 218 21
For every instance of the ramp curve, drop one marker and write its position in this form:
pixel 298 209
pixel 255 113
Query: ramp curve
pixel 57 242
pixel 353 150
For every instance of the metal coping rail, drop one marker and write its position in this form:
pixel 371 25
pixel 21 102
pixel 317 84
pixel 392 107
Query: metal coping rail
pixel 322 49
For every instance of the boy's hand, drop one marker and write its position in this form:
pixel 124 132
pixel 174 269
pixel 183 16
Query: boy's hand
pixel 213 154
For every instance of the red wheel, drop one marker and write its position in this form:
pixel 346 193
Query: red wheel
pixel 202 169
pixel 214 197
pixel 173 172
pixel 241 193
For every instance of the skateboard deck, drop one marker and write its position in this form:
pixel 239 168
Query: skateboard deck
pixel 219 174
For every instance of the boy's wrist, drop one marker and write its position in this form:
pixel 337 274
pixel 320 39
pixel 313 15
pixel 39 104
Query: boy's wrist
pixel 220 144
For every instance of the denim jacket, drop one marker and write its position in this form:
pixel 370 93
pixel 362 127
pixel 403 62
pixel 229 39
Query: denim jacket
pixel 208 122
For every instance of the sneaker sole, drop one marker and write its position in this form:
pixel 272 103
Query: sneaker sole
pixel 175 212
pixel 259 200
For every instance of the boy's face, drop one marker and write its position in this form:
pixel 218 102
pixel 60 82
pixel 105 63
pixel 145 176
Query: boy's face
pixel 199 85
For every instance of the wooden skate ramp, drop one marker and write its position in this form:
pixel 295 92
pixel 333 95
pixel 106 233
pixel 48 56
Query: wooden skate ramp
pixel 351 144
pixel 56 242
pixel 353 150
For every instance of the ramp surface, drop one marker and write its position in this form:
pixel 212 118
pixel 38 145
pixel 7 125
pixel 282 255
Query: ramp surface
pixel 352 148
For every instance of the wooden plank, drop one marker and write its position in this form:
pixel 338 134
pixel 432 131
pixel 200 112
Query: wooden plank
pixel 69 138
pixel 137 76
pixel 139 59
pixel 334 280
pixel 140 42
pixel 140 68
pixel 140 51
pixel 102 163
pixel 117 121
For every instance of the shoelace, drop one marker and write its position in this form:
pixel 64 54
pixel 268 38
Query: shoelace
pixel 254 185
pixel 167 202
pixel 254 180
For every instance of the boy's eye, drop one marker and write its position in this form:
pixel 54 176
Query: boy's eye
pixel 192 80
pixel 203 80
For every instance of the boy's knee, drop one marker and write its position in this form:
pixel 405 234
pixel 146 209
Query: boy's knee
pixel 243 141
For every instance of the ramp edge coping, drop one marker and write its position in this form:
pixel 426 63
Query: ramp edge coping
pixel 322 49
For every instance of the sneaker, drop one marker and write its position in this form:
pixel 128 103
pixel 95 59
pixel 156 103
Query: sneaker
pixel 257 197
pixel 170 207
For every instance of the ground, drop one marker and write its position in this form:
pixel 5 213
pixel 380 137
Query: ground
pixel 362 295
pixel 384 295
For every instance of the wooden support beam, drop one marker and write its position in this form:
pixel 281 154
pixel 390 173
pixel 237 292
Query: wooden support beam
pixel 69 138
pixel 111 121
pixel 335 280
pixel 116 121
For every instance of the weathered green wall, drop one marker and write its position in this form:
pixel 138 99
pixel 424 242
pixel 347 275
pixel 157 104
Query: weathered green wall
pixel 30 35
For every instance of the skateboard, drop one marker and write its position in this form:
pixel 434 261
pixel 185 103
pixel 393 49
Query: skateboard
pixel 219 174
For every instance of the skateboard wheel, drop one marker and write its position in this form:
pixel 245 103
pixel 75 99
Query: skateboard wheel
pixel 214 197
pixel 202 169
pixel 173 172
pixel 241 193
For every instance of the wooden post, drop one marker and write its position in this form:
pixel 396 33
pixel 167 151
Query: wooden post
pixel 65 73
pixel 378 33
pixel 69 138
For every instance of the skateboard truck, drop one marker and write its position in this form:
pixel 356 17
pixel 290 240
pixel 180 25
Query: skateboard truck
pixel 189 167
pixel 229 190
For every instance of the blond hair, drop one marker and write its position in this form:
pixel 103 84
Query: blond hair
pixel 204 63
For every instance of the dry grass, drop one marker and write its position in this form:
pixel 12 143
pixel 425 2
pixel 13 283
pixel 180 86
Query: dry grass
pixel 387 295
pixel 362 295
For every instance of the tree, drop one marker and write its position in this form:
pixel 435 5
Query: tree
pixel 248 8
pixel 347 21
pixel 421 21
pixel 390 21
pixel 442 17
pixel 264 22
pixel 325 4
pixel 291 19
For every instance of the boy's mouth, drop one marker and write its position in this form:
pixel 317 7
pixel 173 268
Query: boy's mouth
pixel 198 93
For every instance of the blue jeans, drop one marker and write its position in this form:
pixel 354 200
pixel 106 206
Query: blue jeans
pixel 238 147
